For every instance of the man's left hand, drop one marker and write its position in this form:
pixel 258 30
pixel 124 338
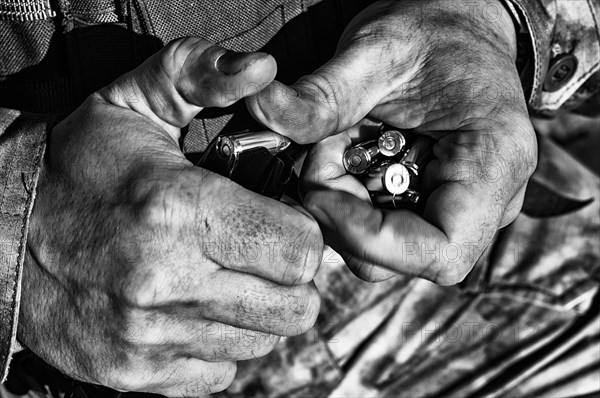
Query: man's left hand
pixel 437 68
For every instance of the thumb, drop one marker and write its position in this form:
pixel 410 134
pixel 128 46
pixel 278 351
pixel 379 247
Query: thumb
pixel 331 100
pixel 174 84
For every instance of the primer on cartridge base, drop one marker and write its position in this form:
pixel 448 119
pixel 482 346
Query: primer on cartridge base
pixel 359 158
pixel 391 142
pixel 390 177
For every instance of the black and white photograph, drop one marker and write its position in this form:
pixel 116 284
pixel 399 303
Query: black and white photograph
pixel 299 198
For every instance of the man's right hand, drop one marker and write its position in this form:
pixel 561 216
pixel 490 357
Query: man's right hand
pixel 143 272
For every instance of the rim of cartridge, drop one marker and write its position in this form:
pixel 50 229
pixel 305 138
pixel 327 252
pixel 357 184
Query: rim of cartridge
pixel 365 160
pixel 394 135
pixel 226 146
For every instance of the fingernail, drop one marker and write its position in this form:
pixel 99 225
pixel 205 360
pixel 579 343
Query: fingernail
pixel 233 62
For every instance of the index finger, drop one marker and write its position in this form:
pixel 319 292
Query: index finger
pixel 399 240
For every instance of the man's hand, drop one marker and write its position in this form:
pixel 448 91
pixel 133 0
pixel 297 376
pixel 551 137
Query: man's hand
pixel 143 272
pixel 439 68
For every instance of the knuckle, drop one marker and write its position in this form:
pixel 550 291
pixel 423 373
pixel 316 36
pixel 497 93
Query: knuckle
pixel 305 309
pixel 243 344
pixel 308 248
pixel 531 166
pixel 141 290
pixel 251 345
pixel 267 344
pixel 223 377
pixel 321 95
pixel 153 206
pixel 176 51
pixel 511 214
pixel 126 380
pixel 311 311
pixel 216 380
pixel 139 338
pixel 323 116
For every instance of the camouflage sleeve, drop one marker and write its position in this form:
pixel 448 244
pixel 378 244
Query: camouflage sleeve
pixel 22 143
pixel 561 38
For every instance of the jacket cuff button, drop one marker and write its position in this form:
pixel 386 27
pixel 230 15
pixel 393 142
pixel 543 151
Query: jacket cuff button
pixel 562 69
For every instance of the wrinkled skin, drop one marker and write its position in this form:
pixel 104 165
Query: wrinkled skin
pixel 437 68
pixel 143 272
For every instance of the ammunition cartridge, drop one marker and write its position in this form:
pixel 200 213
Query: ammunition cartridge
pixel 389 177
pixel 391 142
pixel 233 145
pixel 359 158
